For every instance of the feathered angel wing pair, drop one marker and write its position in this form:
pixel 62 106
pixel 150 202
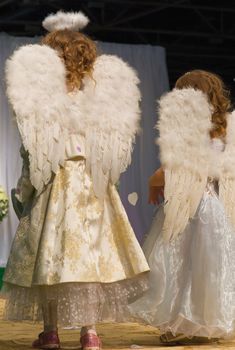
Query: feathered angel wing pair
pixel 106 111
pixel 184 125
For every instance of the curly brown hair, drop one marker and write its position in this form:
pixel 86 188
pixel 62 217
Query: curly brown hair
pixel 218 96
pixel 77 51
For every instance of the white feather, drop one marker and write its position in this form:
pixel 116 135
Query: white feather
pixel 65 20
pixel 184 141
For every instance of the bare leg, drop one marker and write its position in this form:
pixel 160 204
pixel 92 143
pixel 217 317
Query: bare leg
pixel 50 316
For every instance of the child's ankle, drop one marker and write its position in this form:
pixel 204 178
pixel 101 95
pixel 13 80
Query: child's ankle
pixel 88 329
pixel 50 328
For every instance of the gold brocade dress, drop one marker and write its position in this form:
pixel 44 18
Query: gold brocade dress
pixel 74 249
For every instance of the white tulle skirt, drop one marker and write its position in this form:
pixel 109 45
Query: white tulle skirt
pixel 192 279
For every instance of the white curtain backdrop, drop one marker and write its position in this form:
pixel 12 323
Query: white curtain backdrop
pixel 149 61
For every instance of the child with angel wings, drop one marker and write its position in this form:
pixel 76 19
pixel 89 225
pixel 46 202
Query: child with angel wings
pixel 191 245
pixel 75 258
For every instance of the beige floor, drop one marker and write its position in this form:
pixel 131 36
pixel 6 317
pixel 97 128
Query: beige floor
pixel 18 336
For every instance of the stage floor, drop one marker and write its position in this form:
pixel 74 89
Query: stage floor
pixel 18 336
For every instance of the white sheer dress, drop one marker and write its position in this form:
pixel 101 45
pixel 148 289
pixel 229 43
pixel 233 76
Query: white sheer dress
pixel 192 279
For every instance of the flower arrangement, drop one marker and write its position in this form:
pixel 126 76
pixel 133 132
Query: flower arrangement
pixel 3 204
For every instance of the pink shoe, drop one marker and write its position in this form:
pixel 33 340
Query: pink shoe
pixel 90 341
pixel 49 340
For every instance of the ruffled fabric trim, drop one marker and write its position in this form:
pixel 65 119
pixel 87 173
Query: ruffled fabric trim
pixel 77 303
pixel 189 328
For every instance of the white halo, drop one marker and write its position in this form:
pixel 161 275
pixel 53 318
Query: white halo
pixel 65 20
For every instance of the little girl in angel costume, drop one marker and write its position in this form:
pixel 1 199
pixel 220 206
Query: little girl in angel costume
pixel 75 258
pixel 191 245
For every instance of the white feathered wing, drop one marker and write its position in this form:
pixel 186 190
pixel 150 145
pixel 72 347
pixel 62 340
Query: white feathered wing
pixel 227 171
pixel 36 89
pixel 184 124
pixel 112 115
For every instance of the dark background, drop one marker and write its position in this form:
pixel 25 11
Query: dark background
pixel 196 33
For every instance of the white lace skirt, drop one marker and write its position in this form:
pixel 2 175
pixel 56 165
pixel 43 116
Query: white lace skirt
pixel 75 251
pixel 192 279
pixel 77 304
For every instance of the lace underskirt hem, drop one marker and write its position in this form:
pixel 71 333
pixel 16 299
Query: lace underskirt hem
pixel 190 328
pixel 77 303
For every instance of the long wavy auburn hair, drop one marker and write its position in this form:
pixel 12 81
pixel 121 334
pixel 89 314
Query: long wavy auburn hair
pixel 218 96
pixel 77 51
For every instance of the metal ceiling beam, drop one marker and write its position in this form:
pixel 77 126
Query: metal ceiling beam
pixel 202 47
pixel 154 9
pixel 6 2
pixel 18 22
pixel 162 3
pixel 205 20
pixel 21 12
pixel 89 13
pixel 160 31
pixel 99 28
pixel 230 57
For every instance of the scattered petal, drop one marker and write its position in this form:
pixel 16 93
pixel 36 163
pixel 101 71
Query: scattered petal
pixel 134 346
pixel 133 198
